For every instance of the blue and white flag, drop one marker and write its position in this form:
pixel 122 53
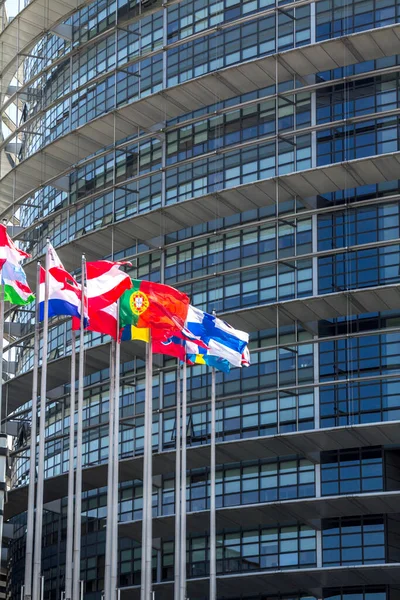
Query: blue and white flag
pixel 221 339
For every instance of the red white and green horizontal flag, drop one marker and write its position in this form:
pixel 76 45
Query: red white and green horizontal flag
pixel 13 278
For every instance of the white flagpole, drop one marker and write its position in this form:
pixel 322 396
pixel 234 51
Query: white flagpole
pixel 71 473
pixel 79 445
pixel 110 496
pixel 37 564
pixel 177 562
pixel 149 449
pixel 114 545
pixel 32 458
pixel 3 435
pixel 183 483
pixel 143 578
pixel 213 559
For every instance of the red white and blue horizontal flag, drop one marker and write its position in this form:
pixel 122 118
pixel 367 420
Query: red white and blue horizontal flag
pixel 64 291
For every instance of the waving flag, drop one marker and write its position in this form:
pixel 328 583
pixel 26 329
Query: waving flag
pixel 130 333
pixel 155 306
pixel 105 283
pixel 173 346
pixel 16 288
pixel 64 291
pixel 101 321
pixel 200 357
pixel 221 339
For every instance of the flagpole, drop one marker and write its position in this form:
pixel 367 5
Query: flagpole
pixel 32 458
pixel 143 578
pixel 213 559
pixel 37 564
pixel 114 545
pixel 110 496
pixel 149 448
pixel 71 473
pixel 177 562
pixel 79 445
pixel 183 483
pixel 3 435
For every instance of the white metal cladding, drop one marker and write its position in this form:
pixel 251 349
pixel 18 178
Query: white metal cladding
pixel 148 113
pixel 304 443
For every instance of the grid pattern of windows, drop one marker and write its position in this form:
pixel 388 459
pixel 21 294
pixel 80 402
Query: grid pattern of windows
pixel 363 268
pixel 360 402
pixel 270 548
pixel 369 354
pixel 351 541
pixel 352 471
pixel 377 136
pixel 235 263
pixel 359 226
pixel 359 97
pixel 336 17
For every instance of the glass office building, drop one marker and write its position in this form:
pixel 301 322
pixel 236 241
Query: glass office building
pixel 248 153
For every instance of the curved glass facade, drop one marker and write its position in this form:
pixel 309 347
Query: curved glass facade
pixel 288 226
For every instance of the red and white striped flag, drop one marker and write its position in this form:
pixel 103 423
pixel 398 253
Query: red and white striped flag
pixel 105 284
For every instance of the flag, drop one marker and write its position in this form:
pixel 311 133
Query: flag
pixel 221 364
pixel 8 250
pixel 246 357
pixel 173 346
pixel 221 339
pixel 64 291
pixel 130 332
pixel 13 278
pixel 101 321
pixel 161 308
pixel 16 288
pixel 105 283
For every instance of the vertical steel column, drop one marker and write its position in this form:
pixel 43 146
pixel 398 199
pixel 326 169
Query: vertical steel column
pixel 71 473
pixel 37 564
pixel 213 552
pixel 32 446
pixel 79 445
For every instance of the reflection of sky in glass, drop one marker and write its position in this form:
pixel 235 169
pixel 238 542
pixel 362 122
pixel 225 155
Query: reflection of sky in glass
pixel 13 6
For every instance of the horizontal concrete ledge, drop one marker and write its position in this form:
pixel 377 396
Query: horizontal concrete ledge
pixel 278 581
pixel 310 309
pixel 145 227
pixel 302 443
pixel 309 511
pixel 57 157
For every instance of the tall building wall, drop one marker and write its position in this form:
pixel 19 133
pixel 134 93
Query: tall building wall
pixel 248 154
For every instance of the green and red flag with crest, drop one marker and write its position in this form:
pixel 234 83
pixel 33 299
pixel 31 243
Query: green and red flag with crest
pixel 155 306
